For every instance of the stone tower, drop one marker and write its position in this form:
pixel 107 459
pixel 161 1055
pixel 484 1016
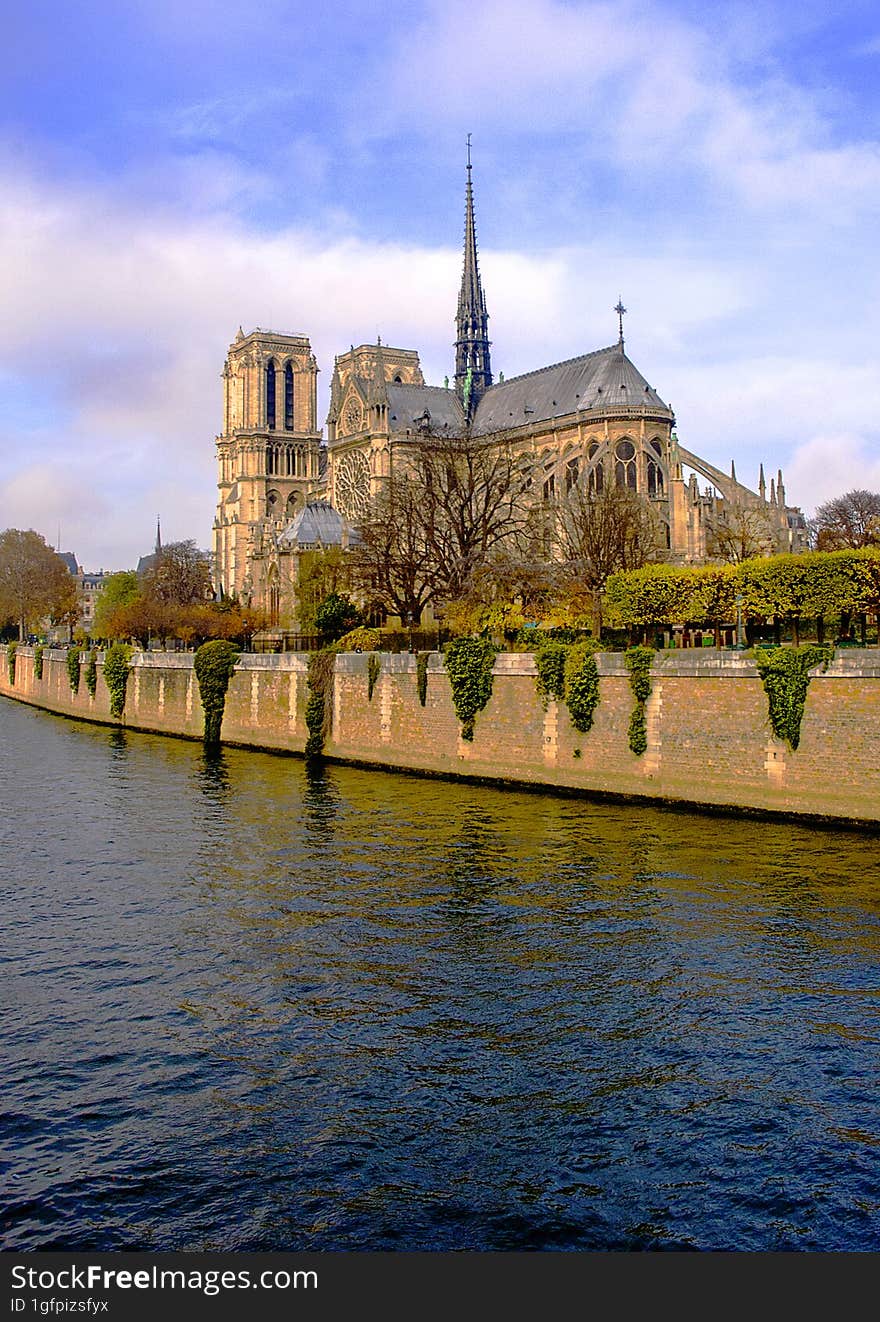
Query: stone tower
pixel 268 453
pixel 473 369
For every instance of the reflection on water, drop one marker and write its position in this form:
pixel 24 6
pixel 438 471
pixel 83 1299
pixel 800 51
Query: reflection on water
pixel 253 1005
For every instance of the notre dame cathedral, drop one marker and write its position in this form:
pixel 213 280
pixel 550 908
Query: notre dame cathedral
pixel 284 490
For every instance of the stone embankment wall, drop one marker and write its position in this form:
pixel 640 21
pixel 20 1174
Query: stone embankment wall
pixel 709 740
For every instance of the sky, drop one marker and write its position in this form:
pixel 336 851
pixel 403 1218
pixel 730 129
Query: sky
pixel 169 172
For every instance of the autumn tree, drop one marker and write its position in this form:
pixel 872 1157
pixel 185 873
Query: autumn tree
pixel 35 583
pixel 850 521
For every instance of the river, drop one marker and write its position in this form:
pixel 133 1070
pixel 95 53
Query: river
pixel 247 1005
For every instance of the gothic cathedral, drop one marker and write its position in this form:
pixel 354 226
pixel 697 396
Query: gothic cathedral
pixel 284 491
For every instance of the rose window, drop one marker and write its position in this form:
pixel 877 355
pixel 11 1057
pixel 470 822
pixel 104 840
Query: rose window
pixel 353 485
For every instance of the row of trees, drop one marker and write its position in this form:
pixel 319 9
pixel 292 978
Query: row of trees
pixel 171 600
pixel 785 589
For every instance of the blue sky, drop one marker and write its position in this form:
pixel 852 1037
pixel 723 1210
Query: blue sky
pixel 168 172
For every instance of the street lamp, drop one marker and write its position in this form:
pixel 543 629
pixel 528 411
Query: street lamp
pixel 739 623
pixel 409 625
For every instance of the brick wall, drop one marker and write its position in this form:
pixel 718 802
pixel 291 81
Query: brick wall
pixel 709 740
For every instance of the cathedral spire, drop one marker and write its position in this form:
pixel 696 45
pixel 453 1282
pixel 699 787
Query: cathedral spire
pixel 473 369
pixel 158 550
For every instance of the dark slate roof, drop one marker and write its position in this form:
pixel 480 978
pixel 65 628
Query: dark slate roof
pixel 602 381
pixel 146 563
pixel 70 561
pixel 407 403
pixel 316 524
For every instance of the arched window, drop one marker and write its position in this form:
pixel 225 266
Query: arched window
pixel 288 398
pixel 625 465
pixel 270 394
pixel 572 472
pixel 596 479
pixel 273 505
pixel 655 479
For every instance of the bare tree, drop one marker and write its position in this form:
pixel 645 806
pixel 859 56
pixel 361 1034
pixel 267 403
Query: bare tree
pixel 180 575
pixel 738 532
pixel 598 533
pixel 848 521
pixel 473 502
pixel 391 562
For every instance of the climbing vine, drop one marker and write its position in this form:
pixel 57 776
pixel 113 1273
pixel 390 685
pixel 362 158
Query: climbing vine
pixel 785 675
pixel 469 663
pixel 38 661
pixel 582 684
pixel 422 676
pixel 91 674
pixel 11 649
pixel 319 707
pixel 116 660
pixel 638 661
pixel 73 660
pixel 214 663
pixel 550 659
pixel 374 665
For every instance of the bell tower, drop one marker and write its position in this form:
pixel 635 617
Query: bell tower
pixel 268 452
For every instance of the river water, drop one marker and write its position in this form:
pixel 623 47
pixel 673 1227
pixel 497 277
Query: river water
pixel 249 1006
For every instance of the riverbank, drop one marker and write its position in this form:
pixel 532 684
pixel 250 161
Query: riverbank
pixel 709 742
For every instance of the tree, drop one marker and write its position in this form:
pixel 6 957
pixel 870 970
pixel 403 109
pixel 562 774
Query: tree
pixel 119 590
pixel 599 533
pixel 471 503
pixel 850 521
pixel 180 575
pixel 391 563
pixel 34 582
pixel 336 615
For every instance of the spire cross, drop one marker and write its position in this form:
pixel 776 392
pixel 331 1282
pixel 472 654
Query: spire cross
pixel 620 310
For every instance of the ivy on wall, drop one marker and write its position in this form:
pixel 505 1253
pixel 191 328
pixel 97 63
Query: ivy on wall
pixel 638 661
pixel 38 661
pixel 785 676
pixel 550 659
pixel 319 707
pixel 374 666
pixel 73 660
pixel 214 663
pixel 582 684
pixel 11 649
pixel 116 665
pixel 568 673
pixel 469 663
pixel 422 676
pixel 91 675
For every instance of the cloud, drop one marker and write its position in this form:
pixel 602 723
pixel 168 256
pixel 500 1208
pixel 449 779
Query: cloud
pixel 831 463
pixel 637 87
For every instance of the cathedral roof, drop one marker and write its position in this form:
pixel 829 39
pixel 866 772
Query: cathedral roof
pixel 604 381
pixel 407 405
pixel 317 524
